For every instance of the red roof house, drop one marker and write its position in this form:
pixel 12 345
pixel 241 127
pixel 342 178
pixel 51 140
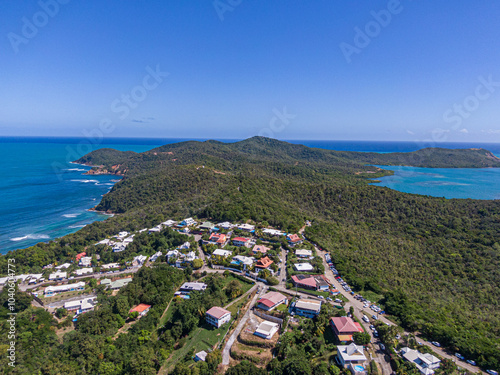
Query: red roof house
pixel 142 309
pixel 263 263
pixel 79 256
pixel 240 241
pixel 219 238
pixel 344 327
pixel 271 300
pixel 294 239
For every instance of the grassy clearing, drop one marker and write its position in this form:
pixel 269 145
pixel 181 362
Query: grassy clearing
pixel 371 296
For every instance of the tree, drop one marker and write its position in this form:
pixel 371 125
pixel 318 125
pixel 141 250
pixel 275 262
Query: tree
pixel 197 264
pixel 233 289
pixel 245 368
pixel 133 314
pixel 61 312
pixel 93 283
pixel 361 338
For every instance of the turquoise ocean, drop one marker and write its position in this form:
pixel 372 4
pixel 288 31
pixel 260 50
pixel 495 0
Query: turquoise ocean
pixel 45 196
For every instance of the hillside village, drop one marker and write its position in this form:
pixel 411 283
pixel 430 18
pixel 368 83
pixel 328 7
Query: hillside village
pixel 279 287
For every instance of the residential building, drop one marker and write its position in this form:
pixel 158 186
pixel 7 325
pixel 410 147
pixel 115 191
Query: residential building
pixel 172 254
pixel 120 283
pixel 103 242
pixel 64 266
pixel 207 225
pixel 263 263
pixel 218 238
pixel 34 278
pixel 84 271
pixel 266 329
pixel 156 229
pixel 139 260
pixel 189 287
pixel 260 249
pixel 200 356
pixel 426 363
pixel 314 282
pixel 142 309
pixel 351 354
pixel 186 245
pixel 221 253
pixel 79 256
pixel 189 257
pixel 188 222
pixel 155 256
pixel 241 241
pixel 82 305
pixel 245 261
pixel 303 253
pixel 169 223
pixel 271 300
pixel 119 247
pixel 303 267
pixel 344 327
pixel 110 266
pixel 273 232
pixel 122 234
pixel 53 290
pixel 246 227
pixel 217 316
pixel 225 225
pixel 105 282
pixel 59 275
pixel 294 239
pixel 308 308
pixel 85 261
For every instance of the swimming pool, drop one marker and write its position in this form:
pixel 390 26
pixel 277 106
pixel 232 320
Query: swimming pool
pixel 359 368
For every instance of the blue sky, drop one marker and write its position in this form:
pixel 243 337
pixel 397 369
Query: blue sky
pixel 357 70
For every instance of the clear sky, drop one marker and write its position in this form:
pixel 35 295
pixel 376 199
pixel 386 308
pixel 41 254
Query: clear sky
pixel 346 70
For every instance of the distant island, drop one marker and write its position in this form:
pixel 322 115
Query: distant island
pixel 432 264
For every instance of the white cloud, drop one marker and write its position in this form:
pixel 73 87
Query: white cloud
pixel 465 131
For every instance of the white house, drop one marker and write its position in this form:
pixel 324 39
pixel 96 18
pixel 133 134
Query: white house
pixel 53 290
pixel 103 242
pixel 63 266
pixel 189 287
pixel 217 316
pixel 84 271
pixel 110 265
pixel 59 275
pixel 185 245
pixel 273 232
pixel 240 259
pixel 303 253
pixel 426 363
pixel 225 225
pixel 85 261
pixel 169 223
pixel 82 305
pixel 308 308
pixel 246 227
pixel 156 229
pixel 188 222
pixel 266 329
pixel 155 256
pixel 190 256
pixel 139 260
pixel 303 267
pixel 222 253
pixel 350 355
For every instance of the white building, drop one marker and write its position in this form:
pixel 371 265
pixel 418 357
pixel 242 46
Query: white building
pixel 350 355
pixel 169 223
pixel 222 253
pixel 189 221
pixel 217 316
pixel 266 329
pixel 246 261
pixel 190 256
pixel 84 271
pixel 110 266
pixel 303 253
pixel 155 256
pixel 186 245
pixel 426 363
pixel 246 227
pixel 225 225
pixel 273 232
pixel 139 260
pixel 103 242
pixel 189 287
pixel 59 275
pixel 307 307
pixel 63 266
pixel 85 261
pixel 53 290
pixel 303 267
pixel 82 305
pixel 156 229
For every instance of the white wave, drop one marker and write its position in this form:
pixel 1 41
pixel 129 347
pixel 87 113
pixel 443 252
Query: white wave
pixel 70 215
pixel 30 237
pixel 77 226
pixel 75 169
pixel 85 181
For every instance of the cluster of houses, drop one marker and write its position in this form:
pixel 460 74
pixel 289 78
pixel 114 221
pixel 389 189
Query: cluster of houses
pixel 120 241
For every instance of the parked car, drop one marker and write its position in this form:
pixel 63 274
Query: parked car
pixel 471 362
pixel 459 356
pixel 365 318
pixel 372 327
pixel 382 346
pixel 338 300
pixel 374 317
pixel 492 372
pixel 321 297
pixel 435 343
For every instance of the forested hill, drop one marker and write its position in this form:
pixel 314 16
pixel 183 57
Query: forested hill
pixel 259 149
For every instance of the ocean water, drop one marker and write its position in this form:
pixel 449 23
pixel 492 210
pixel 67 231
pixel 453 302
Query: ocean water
pixel 45 196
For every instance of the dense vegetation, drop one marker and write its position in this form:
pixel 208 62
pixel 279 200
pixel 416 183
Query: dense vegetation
pixel 435 261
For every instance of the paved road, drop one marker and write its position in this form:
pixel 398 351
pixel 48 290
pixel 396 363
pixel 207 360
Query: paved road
pixel 227 349
pixel 359 310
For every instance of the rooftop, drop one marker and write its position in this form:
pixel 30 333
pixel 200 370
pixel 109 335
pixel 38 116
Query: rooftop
pixel 217 312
